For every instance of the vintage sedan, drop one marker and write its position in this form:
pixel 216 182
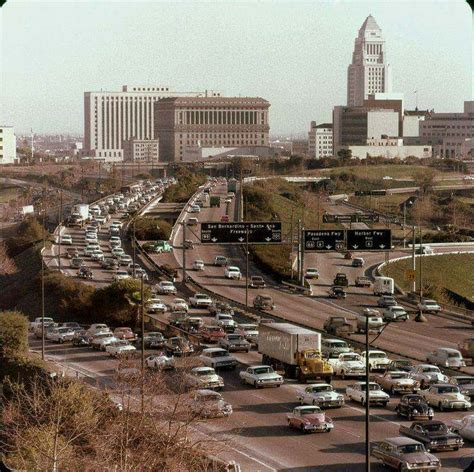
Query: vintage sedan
pixel 125 333
pixel 404 365
pixel 260 376
pixel 446 357
pixel 349 364
pixel 120 348
pixel 465 383
pixel 178 346
pixel 211 333
pixel 378 360
pixel 309 419
pixel 428 374
pixel 160 362
pixel 465 427
pixel 431 306
pixel 401 453
pixel 397 382
pixel 322 395
pixel 334 346
pixel 446 397
pixel 156 305
pixel 179 304
pixel 414 407
pixel 249 331
pixel 209 404
pixel 166 288
pixel 356 392
pixel 435 435
pixel 234 342
pixel 204 377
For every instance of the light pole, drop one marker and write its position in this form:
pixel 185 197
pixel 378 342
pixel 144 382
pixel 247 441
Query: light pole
pixel 367 397
pixel 247 267
pixel 142 314
pixel 42 279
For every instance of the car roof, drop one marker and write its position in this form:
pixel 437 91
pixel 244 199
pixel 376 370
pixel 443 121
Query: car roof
pixel 257 366
pixel 206 392
pixel 306 407
pixel 447 349
pixel 426 422
pixel 401 441
pixel 214 349
pixel 202 368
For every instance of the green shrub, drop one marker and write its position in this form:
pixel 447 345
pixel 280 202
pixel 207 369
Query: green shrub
pixel 13 333
pixel 188 182
pixel 23 369
pixel 151 229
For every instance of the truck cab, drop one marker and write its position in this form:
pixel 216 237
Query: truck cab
pixel 311 365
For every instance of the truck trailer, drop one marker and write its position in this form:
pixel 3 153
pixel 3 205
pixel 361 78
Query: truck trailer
pixel 294 349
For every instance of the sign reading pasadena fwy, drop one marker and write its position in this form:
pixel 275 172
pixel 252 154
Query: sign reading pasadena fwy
pixel 324 240
pixel 262 232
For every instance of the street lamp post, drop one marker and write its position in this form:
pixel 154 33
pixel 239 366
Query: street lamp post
pixel 367 397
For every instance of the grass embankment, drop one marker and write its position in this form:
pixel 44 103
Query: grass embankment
pixel 380 171
pixel 278 200
pixel 188 182
pixel 441 275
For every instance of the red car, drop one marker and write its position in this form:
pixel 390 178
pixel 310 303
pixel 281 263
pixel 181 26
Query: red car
pixel 211 334
pixel 125 333
pixel 224 218
pixel 309 419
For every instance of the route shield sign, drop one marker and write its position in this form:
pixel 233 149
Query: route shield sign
pixel 324 240
pixel 264 232
pixel 369 239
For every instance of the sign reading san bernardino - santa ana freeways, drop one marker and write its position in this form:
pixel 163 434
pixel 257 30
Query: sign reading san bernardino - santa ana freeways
pixel 263 232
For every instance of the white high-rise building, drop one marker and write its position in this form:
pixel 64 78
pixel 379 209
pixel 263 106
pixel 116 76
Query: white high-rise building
pixel 320 140
pixel 369 72
pixel 110 118
pixel 7 145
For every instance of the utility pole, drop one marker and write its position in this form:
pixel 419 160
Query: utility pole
pixel 367 397
pixel 60 223
pixel 142 314
pixel 301 275
pixel 413 259
pixel 420 286
pixel 42 278
pixel 133 245
pixel 298 248
pixel 184 252
pixel 247 267
pixel 292 242
pixel 241 203
pixel 404 223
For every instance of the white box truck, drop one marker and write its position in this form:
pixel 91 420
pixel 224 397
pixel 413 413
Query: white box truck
pixel 79 214
pixel 294 349
pixel 384 286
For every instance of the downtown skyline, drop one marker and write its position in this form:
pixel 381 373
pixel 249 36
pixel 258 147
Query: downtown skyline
pixel 291 55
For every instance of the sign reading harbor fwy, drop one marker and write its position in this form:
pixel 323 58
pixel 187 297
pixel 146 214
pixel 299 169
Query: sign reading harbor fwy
pixel 263 232
pixel 369 239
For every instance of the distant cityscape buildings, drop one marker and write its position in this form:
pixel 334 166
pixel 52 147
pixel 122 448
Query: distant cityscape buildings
pixel 110 118
pixel 183 124
pixel 320 140
pixel 7 145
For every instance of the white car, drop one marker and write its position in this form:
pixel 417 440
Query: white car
pixel 209 404
pixel 232 272
pixel 322 395
pixel 97 256
pixel 311 273
pixel 117 252
pixel 120 275
pixel 65 239
pixel 192 221
pixel 97 328
pixel 446 357
pixel 378 360
pixel 464 427
pixel 179 304
pixel 120 348
pixel 430 306
pixel 90 249
pixel 428 374
pixel 125 260
pixel 205 377
pixel 194 209
pixel 39 322
pixel 159 361
pixel 356 392
pixel 102 340
pixel 261 376
pixel 59 335
pixel 198 264
pixel 114 244
pixel 156 305
pixel 217 358
pixel 90 238
pixel 349 364
pixel 249 331
pixel 446 397
pixel 395 313
pixel 200 300
pixel 165 288
pixel 225 321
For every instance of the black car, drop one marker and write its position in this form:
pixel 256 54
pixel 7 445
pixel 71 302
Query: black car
pixel 337 292
pixel 403 365
pixel 85 273
pixel 414 407
pixel 81 340
pixel 435 435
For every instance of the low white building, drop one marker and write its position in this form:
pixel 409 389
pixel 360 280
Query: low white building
pixel 320 140
pixel 390 148
pixel 7 145
pixel 141 150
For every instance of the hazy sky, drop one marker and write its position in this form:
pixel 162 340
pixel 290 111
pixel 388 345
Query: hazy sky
pixel 293 53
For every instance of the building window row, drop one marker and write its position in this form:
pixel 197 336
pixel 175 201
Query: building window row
pixel 221 117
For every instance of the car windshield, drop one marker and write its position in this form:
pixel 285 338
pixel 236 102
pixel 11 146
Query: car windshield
pixel 398 310
pixel 435 427
pixel 454 354
pixel 431 369
pixel 377 355
pixel 465 380
pixel 204 372
pixel 321 388
pixel 350 357
pixel 263 370
pixel 398 376
pixel 309 411
pixel 201 296
pixel 63 330
pixel 234 337
pixel 403 363
pixel 372 386
pixel 410 448
pixel 166 284
pixel 311 355
pixel 209 397
pixel 265 298
pixel 415 400
pixel 448 389
pixel 257 278
pixel 220 354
